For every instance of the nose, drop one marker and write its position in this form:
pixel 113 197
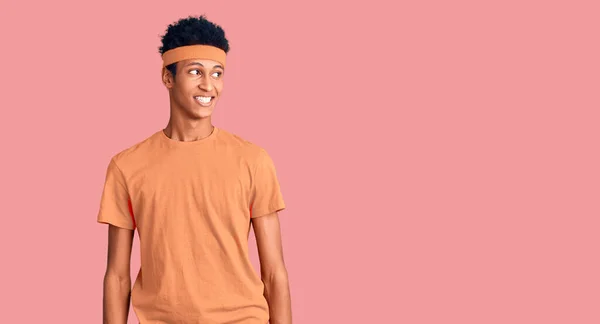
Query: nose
pixel 205 83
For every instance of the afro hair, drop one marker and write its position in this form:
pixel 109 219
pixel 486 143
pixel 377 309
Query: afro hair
pixel 192 31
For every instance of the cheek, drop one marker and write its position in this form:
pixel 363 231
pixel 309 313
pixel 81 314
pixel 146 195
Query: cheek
pixel 219 87
pixel 186 89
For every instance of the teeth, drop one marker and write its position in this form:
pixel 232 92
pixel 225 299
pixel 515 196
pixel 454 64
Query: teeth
pixel 203 99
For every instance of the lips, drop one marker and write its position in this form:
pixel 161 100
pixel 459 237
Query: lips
pixel 204 100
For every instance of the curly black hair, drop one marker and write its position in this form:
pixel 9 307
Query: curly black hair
pixel 193 31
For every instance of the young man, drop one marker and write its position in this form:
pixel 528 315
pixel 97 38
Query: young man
pixel 192 191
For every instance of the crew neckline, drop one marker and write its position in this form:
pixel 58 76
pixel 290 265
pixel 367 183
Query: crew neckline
pixel 178 143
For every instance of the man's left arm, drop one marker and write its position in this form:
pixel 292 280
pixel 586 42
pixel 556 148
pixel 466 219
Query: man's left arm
pixel 272 268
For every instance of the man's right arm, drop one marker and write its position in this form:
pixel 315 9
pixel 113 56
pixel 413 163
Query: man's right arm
pixel 117 280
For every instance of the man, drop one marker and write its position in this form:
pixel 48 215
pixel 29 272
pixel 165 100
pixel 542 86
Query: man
pixel 192 191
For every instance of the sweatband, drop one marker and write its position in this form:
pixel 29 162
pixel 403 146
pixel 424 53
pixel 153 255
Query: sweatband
pixel 206 52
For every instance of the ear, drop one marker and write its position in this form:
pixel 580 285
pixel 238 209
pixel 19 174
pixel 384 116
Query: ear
pixel 167 78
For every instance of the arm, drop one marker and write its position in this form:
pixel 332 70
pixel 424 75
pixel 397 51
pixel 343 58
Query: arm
pixel 117 280
pixel 272 268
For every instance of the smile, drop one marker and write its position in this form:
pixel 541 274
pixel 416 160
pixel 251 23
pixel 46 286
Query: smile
pixel 204 101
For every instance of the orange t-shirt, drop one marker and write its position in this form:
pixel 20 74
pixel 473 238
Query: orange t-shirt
pixel 192 203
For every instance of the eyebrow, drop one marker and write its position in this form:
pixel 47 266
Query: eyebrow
pixel 198 63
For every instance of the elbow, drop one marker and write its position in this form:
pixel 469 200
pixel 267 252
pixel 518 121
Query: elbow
pixel 116 279
pixel 278 275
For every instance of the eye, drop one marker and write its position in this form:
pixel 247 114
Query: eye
pixel 195 72
pixel 217 74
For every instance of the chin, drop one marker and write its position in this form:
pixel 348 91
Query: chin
pixel 203 112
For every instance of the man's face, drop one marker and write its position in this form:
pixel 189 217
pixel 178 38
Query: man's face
pixel 197 86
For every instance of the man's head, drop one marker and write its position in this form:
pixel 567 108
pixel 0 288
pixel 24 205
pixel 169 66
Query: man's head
pixel 194 51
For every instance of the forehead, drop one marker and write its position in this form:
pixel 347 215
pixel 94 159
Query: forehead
pixel 207 64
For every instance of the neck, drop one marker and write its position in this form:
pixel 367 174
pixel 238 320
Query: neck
pixel 186 130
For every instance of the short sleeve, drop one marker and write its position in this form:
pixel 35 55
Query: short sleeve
pixel 266 197
pixel 115 204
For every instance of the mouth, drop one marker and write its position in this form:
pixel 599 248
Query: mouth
pixel 204 101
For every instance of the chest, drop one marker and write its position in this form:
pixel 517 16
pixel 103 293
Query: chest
pixel 201 184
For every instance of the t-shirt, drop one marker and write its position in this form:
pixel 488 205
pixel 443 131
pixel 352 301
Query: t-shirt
pixel 192 203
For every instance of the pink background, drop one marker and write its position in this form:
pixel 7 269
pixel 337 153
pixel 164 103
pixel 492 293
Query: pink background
pixel 439 160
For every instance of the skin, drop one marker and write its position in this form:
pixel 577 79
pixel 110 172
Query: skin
pixel 272 268
pixel 117 281
pixel 190 121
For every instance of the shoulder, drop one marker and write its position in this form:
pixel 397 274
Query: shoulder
pixel 135 153
pixel 241 145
